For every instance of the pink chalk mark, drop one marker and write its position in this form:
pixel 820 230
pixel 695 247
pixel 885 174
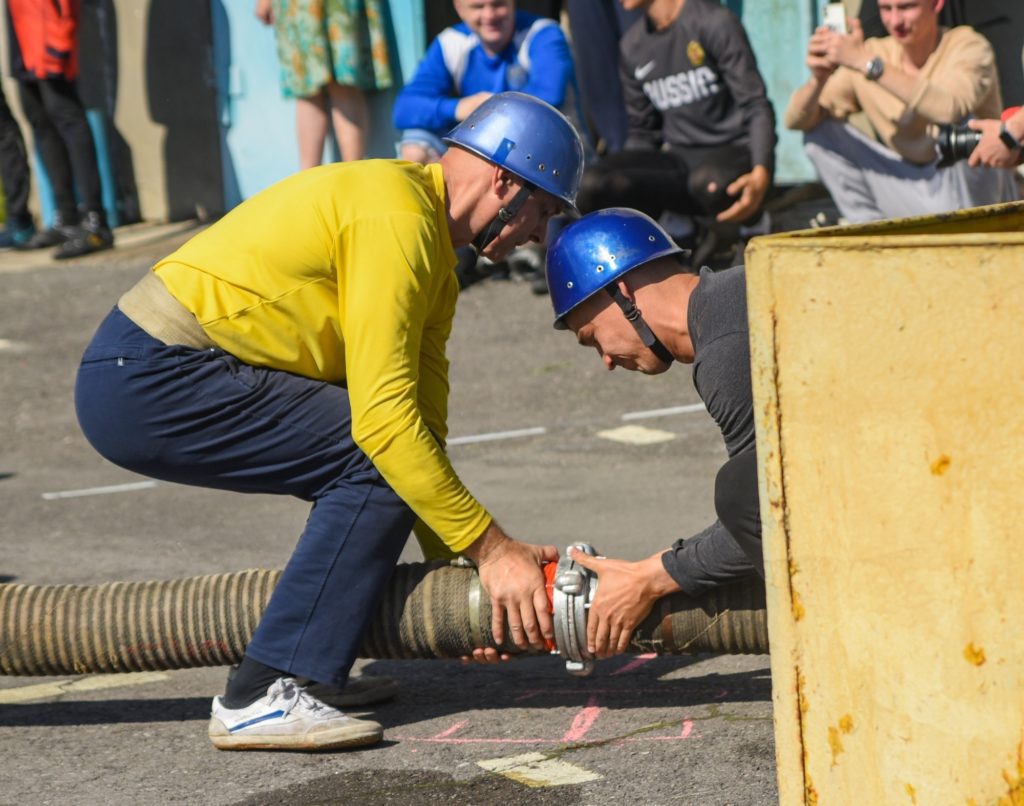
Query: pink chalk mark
pixel 453 729
pixel 685 733
pixel 584 720
pixel 637 662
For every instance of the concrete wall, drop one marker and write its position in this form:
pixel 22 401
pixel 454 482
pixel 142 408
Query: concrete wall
pixel 887 386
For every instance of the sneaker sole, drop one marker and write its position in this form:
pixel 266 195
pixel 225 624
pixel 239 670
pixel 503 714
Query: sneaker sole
pixel 324 740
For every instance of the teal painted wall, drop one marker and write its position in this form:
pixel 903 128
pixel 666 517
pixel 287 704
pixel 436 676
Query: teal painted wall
pixel 778 31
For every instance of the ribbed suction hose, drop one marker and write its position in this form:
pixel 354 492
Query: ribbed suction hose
pixel 429 610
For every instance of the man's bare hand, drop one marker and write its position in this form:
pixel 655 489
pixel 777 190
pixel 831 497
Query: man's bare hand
pixel 750 188
pixel 468 105
pixel 511 573
pixel 817 55
pixel 847 49
pixel 626 591
pixel 487 654
pixel 991 151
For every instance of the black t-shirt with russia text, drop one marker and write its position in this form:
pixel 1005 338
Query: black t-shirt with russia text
pixel 696 83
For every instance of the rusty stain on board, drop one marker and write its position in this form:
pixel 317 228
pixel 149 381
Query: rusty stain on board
pixel 974 654
pixel 835 742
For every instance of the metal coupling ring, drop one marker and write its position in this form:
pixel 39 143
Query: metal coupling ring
pixel 573 590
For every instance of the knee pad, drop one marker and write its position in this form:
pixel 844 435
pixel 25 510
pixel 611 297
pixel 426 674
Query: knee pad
pixel 713 201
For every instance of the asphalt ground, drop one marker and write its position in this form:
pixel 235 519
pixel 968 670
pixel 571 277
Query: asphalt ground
pixel 652 730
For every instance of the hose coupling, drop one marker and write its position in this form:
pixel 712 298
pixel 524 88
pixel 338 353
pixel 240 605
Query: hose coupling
pixel 572 591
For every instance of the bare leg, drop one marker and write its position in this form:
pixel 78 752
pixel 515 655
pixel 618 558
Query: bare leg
pixel 311 127
pixel 351 118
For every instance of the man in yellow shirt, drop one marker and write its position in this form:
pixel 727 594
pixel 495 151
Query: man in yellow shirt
pixel 297 346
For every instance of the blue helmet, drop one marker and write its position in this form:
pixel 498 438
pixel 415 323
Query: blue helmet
pixel 591 253
pixel 527 137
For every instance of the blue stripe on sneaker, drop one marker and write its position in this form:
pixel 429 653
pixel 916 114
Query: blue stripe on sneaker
pixel 256 721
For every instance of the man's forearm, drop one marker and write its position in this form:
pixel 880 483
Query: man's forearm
pixel 804 111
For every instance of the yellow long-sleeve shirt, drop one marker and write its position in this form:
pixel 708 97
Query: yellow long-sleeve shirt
pixel 344 274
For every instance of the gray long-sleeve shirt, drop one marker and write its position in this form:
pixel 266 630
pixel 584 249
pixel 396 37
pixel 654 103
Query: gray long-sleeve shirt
pixel 717 320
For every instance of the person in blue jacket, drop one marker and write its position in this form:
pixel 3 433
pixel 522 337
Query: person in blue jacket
pixel 495 48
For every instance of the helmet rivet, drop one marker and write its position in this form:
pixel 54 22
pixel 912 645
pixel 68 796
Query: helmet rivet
pixel 650 237
pixel 529 156
pixel 611 258
pixel 554 172
pixel 600 268
pixel 541 166
pixel 569 284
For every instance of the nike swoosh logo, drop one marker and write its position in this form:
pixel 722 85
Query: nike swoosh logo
pixel 641 72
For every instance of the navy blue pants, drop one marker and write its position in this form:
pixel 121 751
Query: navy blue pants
pixel 203 417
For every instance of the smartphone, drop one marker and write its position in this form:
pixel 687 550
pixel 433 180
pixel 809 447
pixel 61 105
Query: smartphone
pixel 834 17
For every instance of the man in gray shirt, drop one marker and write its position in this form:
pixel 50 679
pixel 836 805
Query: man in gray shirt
pixel 603 270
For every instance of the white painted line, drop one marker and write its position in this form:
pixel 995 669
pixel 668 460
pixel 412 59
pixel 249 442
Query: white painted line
pixel 496 435
pixel 636 435
pixel 115 488
pixel 13 346
pixel 536 770
pixel 643 415
pixel 47 691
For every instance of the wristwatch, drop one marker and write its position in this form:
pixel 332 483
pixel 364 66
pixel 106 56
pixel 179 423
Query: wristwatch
pixel 874 68
pixel 1008 139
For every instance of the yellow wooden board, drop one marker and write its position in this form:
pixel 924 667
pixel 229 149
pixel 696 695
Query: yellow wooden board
pixel 888 371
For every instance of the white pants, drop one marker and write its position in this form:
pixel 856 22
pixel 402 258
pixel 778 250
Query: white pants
pixel 869 182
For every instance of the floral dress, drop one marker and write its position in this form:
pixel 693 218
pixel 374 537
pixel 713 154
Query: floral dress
pixel 323 40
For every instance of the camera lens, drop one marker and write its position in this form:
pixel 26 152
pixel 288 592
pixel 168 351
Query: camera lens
pixel 955 143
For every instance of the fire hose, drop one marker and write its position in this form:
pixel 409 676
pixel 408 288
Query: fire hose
pixel 429 610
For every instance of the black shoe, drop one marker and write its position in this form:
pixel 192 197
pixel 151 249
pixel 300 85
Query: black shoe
pixel 91 235
pixel 54 235
pixel 15 235
pixel 539 283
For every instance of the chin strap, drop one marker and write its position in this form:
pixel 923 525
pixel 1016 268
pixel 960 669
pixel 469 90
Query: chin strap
pixel 505 214
pixel 632 313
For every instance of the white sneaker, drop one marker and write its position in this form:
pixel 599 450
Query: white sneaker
pixel 288 718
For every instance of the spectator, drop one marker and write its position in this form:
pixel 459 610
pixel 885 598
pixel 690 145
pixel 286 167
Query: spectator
pixel 494 49
pixel 44 60
pixel 701 130
pixel 326 64
pixel 596 27
pixel 920 75
pixel 14 175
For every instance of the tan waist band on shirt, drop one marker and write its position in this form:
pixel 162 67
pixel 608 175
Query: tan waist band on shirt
pixel 153 308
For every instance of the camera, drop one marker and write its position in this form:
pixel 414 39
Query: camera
pixel 955 142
